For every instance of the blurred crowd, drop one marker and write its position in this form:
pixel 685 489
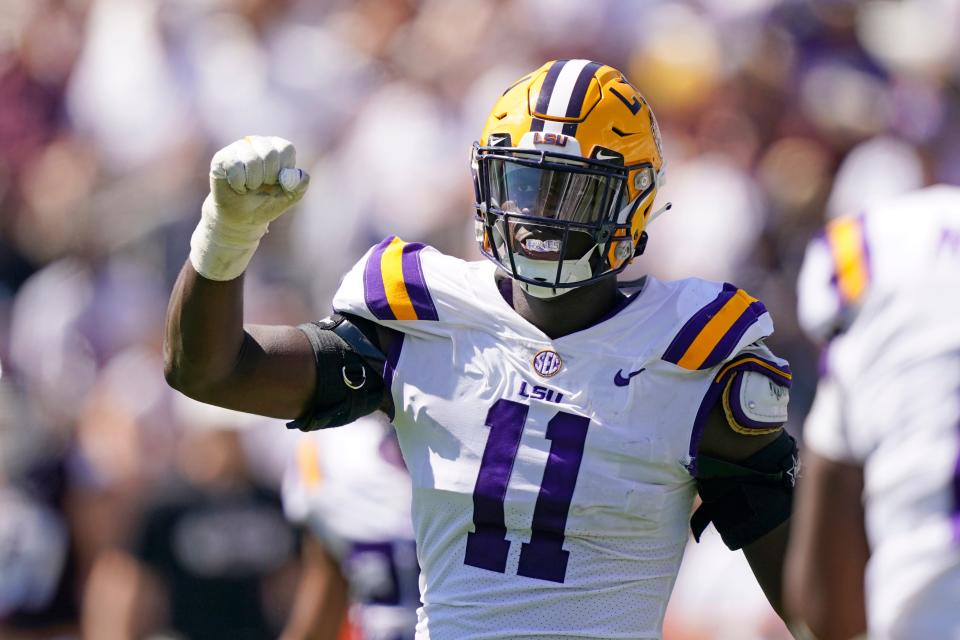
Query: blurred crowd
pixel 775 114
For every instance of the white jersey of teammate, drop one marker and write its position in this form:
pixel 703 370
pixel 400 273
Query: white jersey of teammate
pixel 889 398
pixel 349 486
pixel 551 478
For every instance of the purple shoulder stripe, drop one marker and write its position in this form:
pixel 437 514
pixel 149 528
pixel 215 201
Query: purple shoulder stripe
pixel 415 283
pixel 696 323
pixel 374 293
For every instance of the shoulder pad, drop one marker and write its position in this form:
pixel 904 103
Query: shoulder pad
pixel 717 329
pixel 393 283
pixel 756 391
pixel 754 403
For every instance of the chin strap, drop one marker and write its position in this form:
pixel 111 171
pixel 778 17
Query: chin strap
pixel 579 269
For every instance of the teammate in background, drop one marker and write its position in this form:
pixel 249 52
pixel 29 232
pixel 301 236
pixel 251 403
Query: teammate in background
pixel 878 511
pixel 555 430
pixel 349 488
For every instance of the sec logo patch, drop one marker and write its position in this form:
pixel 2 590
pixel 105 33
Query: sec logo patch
pixel 547 363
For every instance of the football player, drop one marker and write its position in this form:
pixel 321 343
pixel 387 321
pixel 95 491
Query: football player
pixel 876 542
pixel 350 489
pixel 556 430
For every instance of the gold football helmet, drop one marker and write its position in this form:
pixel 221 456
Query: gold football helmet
pixel 565 174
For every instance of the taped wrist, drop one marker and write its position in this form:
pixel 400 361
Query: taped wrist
pixel 349 374
pixel 749 499
pixel 221 249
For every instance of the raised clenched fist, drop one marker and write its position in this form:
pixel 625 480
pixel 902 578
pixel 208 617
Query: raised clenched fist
pixel 252 182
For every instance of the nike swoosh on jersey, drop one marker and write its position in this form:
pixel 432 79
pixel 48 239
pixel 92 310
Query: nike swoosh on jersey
pixel 620 381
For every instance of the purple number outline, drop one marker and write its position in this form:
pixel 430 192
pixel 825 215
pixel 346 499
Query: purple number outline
pixel 543 557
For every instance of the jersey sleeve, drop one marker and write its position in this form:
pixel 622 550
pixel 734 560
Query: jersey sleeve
pixel 719 329
pixel 388 286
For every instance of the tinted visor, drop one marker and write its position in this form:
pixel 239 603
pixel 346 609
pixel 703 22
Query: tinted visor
pixel 549 192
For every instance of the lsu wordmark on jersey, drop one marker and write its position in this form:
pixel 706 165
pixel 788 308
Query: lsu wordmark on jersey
pixel 551 478
pixel 885 286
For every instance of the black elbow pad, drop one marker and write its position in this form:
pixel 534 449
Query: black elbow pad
pixel 349 365
pixel 749 499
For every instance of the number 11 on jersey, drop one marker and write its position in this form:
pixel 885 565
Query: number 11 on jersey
pixel 543 557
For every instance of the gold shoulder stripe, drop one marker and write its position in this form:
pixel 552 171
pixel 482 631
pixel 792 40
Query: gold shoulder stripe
pixel 716 329
pixel 847 244
pixel 391 266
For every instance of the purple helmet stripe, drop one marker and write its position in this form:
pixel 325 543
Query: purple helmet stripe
pixel 580 89
pixel 543 100
pixel 696 323
pixel 578 95
pixel 415 283
pixel 374 293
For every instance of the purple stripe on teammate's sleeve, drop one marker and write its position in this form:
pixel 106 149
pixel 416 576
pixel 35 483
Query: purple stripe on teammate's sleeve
pixel 865 247
pixel 730 339
pixel 696 323
pixel 390 366
pixel 373 292
pixel 415 283
pixel 956 500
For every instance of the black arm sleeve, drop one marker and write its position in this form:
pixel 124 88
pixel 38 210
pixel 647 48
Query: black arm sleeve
pixel 747 500
pixel 349 365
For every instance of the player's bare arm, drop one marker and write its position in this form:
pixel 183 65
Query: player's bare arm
pixel 766 453
pixel 824 587
pixel 209 353
pixel 212 357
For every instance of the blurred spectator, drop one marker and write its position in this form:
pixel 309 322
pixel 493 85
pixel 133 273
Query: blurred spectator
pixel 39 561
pixel 211 556
pixel 777 115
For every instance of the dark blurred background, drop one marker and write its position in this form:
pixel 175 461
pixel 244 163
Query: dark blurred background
pixel 776 115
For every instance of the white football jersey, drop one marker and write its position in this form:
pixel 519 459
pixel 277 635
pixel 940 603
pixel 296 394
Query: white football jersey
pixel 889 398
pixel 349 486
pixel 551 477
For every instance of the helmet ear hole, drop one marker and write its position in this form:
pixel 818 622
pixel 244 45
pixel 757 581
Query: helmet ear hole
pixel 641 244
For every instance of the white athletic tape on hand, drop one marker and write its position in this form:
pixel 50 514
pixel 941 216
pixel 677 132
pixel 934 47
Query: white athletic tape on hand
pixel 237 211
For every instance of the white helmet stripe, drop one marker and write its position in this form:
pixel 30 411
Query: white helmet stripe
pixel 563 89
